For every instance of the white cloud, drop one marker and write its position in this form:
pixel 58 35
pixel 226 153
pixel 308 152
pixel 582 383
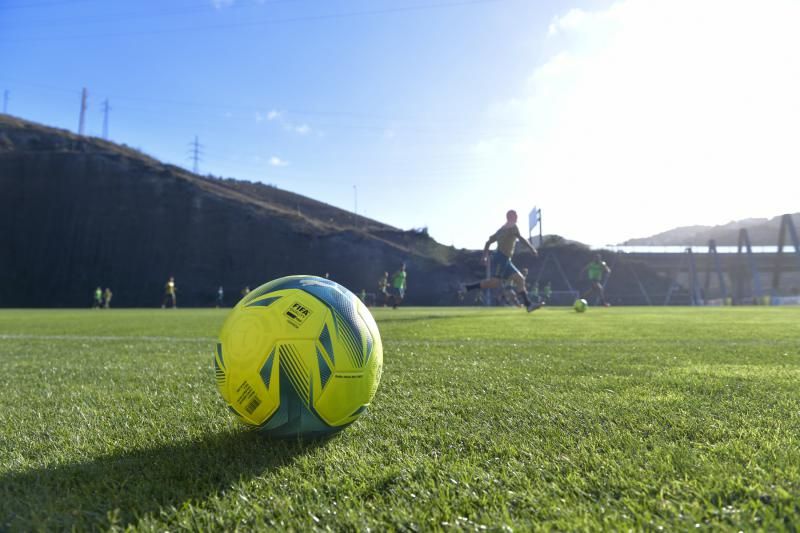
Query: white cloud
pixel 572 20
pixel 280 118
pixel 276 161
pixel 654 114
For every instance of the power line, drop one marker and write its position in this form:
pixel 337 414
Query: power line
pixel 183 11
pixel 304 18
pixel 397 122
pixel 41 4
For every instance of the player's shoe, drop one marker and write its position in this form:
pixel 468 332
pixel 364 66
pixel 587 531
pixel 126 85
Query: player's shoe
pixel 534 306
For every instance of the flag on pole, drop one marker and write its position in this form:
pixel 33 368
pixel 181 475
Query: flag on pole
pixel 533 218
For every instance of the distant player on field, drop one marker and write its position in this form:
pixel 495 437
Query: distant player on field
pixel 383 289
pixel 169 293
pixel 398 286
pixel 502 267
pixel 97 302
pixel 595 270
pixel 532 288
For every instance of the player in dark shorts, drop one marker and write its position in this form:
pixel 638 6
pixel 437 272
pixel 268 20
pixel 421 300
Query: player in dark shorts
pixel 502 267
pixel 97 301
pixel 595 271
pixel 169 294
pixel 398 286
pixel 383 289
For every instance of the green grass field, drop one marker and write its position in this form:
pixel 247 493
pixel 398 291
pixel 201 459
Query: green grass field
pixel 620 418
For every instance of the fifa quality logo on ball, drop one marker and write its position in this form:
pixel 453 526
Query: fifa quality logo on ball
pixel 299 356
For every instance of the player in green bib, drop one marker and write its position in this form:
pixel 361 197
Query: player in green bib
pixel 398 286
pixel 595 270
pixel 502 267
pixel 97 302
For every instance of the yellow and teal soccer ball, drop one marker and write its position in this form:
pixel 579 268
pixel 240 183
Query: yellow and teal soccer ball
pixel 580 305
pixel 299 356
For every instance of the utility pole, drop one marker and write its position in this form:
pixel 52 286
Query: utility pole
pixel 195 155
pixel 5 102
pixel 84 96
pixel 106 109
pixel 355 199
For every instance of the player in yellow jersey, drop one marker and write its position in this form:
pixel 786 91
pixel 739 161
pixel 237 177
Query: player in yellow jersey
pixel 383 289
pixel 169 294
pixel 502 267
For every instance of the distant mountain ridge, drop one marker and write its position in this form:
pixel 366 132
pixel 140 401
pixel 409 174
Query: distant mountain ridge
pixel 762 232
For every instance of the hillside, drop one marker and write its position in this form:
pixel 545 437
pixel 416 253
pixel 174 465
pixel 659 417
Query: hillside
pixel 79 212
pixel 762 231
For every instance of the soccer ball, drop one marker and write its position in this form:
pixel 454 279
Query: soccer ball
pixel 299 356
pixel 580 305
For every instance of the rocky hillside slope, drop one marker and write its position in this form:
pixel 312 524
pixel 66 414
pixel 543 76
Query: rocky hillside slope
pixel 78 212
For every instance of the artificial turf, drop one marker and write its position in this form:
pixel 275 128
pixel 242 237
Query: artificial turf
pixel 620 418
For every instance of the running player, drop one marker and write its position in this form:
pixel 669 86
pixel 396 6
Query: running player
pixel 398 288
pixel 383 289
pixel 502 267
pixel 532 288
pixel 595 271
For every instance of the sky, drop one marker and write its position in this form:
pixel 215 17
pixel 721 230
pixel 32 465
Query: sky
pixel 618 119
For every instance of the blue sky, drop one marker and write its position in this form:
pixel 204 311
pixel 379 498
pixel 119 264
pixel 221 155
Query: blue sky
pixel 437 113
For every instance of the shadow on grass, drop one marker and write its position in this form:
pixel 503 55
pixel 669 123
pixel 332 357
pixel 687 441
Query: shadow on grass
pixel 120 489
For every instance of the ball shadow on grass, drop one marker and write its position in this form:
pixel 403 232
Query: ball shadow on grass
pixel 133 484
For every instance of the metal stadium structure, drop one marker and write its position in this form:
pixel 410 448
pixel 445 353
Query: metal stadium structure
pixel 729 275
